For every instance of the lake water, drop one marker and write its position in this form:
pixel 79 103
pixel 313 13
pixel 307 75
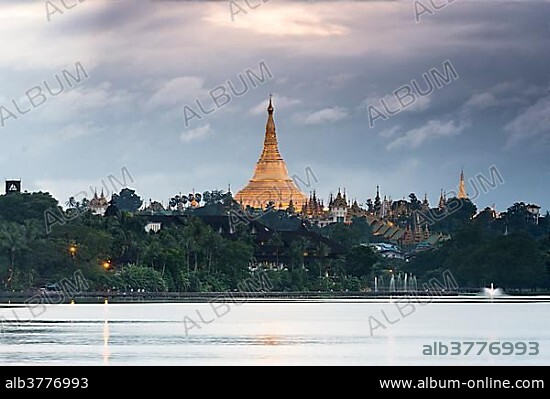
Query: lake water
pixel 269 333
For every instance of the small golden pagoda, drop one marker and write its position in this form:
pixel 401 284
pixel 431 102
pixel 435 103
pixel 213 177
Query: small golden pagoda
pixel 462 187
pixel 271 182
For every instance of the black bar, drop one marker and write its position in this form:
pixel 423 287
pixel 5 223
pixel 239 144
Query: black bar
pixel 16 381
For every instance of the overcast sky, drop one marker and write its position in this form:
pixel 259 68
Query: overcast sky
pixel 146 60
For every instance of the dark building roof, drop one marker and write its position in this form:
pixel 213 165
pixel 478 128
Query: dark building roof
pixel 264 228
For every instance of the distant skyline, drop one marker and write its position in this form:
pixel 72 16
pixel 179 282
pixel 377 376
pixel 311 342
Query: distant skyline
pixel 330 61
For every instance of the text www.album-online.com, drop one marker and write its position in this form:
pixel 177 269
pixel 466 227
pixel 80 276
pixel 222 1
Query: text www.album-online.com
pixel 484 383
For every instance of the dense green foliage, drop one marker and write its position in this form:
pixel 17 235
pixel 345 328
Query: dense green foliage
pixel 127 200
pixel 115 253
pixel 511 250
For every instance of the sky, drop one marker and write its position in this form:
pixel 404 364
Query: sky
pixel 329 63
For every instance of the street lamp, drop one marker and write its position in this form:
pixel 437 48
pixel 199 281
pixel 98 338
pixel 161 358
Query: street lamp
pixel 73 250
pixel 106 264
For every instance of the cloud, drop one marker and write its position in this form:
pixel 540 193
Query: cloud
pixel 432 130
pixel 279 102
pixel 532 124
pixel 82 101
pixel 76 131
pixel 196 134
pixel 390 133
pixel 326 115
pixel 392 103
pixel 278 20
pixel 504 94
pixel 337 81
pixel 184 89
pixel 481 101
pixel 144 49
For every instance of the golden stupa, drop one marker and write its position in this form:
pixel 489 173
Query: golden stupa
pixel 271 182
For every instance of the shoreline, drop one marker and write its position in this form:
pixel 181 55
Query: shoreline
pixel 99 297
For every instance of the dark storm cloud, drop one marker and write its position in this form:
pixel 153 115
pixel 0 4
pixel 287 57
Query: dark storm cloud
pixel 147 59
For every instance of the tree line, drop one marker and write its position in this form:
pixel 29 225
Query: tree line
pixel 114 252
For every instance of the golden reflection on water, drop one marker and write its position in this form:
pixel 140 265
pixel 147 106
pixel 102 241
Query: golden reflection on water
pixel 270 340
pixel 106 336
pixel 275 343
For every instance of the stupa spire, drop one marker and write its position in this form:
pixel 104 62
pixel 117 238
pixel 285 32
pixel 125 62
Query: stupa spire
pixel 271 181
pixel 271 146
pixel 462 187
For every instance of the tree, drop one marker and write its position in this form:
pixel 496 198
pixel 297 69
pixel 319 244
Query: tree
pixel 112 210
pixel 213 197
pixel 477 258
pixel 135 277
pixel 518 219
pixel 359 232
pixel 127 200
pixel 296 253
pixel 458 213
pixel 415 203
pixel 359 261
pixel 235 259
pixel 18 207
pixel 277 242
pixel 370 205
pixel 178 202
pixel 13 240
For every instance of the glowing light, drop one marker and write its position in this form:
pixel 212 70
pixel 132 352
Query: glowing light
pixel 73 250
pixel 289 20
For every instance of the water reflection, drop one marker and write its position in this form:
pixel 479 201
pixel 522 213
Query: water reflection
pixel 270 340
pixel 270 333
pixel 106 336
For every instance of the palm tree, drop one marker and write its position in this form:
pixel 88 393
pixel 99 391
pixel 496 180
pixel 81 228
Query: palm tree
pixel 276 241
pixel 13 239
